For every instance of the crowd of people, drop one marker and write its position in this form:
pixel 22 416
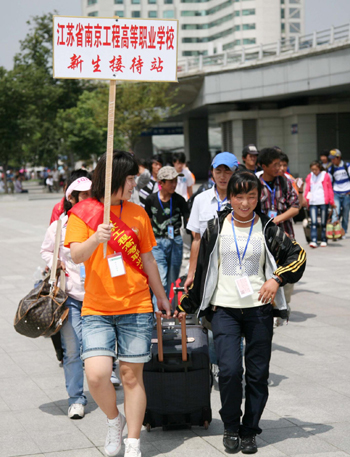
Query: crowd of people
pixel 244 261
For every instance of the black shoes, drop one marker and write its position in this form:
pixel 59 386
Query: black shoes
pixel 248 445
pixel 231 441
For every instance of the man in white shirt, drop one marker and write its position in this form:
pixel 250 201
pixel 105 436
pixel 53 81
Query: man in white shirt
pixel 184 183
pixel 207 204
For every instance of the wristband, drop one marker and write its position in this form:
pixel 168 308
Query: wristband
pixel 277 279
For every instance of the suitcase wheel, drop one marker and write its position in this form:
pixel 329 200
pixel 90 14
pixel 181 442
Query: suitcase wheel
pixel 148 427
pixel 206 425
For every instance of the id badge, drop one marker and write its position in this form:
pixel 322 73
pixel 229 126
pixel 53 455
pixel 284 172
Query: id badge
pixel 244 287
pixel 116 264
pixel 82 273
pixel 272 213
pixel 170 232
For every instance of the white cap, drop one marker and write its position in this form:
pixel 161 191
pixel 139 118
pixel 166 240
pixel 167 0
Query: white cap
pixel 79 184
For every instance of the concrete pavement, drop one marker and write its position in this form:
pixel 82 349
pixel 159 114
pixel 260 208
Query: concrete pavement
pixel 307 413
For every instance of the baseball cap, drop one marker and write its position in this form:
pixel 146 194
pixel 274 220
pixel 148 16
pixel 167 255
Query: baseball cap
pixel 225 158
pixel 250 149
pixel 334 153
pixel 168 173
pixel 79 184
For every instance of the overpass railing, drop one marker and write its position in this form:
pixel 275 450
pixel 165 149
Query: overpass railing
pixel 335 35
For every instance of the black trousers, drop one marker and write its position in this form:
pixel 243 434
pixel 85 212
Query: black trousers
pixel 256 324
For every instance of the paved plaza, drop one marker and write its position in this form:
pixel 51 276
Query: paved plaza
pixel 308 411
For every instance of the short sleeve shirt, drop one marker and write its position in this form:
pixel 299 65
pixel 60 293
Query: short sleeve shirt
pixel 205 207
pixel 126 294
pixel 160 217
pixel 183 182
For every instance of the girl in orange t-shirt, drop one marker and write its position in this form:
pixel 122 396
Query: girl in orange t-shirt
pixel 117 306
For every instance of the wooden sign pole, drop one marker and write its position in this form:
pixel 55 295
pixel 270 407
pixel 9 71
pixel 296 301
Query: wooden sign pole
pixel 109 158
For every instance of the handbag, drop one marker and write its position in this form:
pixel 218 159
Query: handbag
pixel 334 230
pixel 42 312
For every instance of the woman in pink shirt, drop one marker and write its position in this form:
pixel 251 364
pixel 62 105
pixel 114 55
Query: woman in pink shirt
pixel 77 191
pixel 319 195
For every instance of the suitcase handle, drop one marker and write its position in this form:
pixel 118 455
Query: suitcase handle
pixel 160 339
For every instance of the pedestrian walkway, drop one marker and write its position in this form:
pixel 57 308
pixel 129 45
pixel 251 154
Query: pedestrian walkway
pixel 307 413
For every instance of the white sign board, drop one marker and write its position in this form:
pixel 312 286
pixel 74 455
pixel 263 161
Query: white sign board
pixel 120 49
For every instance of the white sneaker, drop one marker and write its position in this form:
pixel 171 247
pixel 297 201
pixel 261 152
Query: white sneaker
pixel 113 441
pixel 115 380
pixel 76 411
pixel 323 244
pixel 132 447
pixel 313 244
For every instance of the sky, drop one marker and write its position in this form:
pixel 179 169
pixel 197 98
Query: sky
pixel 319 15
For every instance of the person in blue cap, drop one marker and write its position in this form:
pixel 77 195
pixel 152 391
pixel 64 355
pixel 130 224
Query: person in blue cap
pixel 207 204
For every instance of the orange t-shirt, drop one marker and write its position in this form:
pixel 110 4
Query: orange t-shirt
pixel 126 294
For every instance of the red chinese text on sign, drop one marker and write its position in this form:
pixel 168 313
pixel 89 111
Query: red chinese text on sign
pixel 157 65
pixel 76 61
pixel 116 64
pixel 137 65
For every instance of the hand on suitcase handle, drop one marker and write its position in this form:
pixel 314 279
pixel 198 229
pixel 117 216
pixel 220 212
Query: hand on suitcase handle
pixel 164 308
pixel 180 316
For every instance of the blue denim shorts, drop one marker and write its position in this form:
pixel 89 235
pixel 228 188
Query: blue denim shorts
pixel 131 333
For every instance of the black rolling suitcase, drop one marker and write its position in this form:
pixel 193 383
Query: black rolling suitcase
pixel 178 379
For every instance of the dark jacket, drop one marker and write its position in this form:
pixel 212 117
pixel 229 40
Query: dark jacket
pixel 284 257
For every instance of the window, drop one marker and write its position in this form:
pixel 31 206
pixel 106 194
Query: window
pixel 207 26
pixel 136 14
pixel 91 2
pixel 237 28
pixel 93 13
pixel 152 14
pixel 283 27
pixel 152 2
pixel 194 53
pixel 194 1
pixel 249 12
pixel 294 13
pixel 118 2
pixel 294 27
pixel 135 2
pixel 213 10
pixel 294 1
pixel 237 13
pixel 249 41
pixel 119 13
pixel 228 46
pixel 237 42
pixel 248 26
pixel 168 2
pixel 206 39
pixel 282 13
pixel 168 14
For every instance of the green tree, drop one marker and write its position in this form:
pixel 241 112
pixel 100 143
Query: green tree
pixel 46 95
pixel 142 106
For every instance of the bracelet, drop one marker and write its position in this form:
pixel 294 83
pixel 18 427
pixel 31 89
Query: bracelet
pixel 301 192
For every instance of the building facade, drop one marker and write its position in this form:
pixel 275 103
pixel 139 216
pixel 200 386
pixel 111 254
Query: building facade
pixel 212 26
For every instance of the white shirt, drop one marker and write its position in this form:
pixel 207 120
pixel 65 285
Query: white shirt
pixel 205 207
pixel 342 182
pixel 74 286
pixel 226 293
pixel 183 182
pixel 316 196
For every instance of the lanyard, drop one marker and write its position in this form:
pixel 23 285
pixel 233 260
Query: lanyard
pixel 171 206
pixel 220 202
pixel 246 246
pixel 273 193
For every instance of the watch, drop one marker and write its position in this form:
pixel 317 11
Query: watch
pixel 277 279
